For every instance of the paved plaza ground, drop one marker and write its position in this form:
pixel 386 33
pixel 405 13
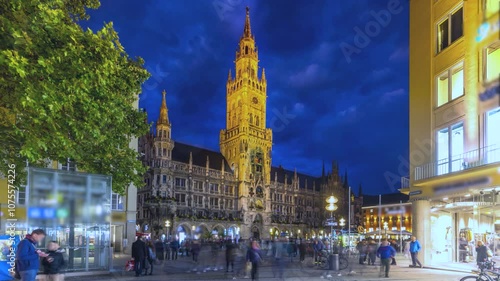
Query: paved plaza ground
pixel 185 269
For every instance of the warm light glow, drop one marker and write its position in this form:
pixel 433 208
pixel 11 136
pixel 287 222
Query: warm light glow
pixel 331 207
pixel 332 200
pixel 167 223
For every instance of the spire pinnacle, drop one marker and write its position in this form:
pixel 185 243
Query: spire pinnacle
pixel 163 118
pixel 247 32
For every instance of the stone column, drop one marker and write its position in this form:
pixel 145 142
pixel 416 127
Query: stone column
pixel 421 228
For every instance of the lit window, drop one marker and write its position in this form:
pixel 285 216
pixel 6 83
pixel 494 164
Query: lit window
pixel 492 8
pixel 492 63
pixel 450 89
pixel 450 29
pixel 116 201
pixel 493 135
pixel 450 145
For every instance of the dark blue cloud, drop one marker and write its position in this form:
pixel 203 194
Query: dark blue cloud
pixel 349 108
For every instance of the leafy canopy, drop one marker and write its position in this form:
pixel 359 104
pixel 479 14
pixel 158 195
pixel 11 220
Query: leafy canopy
pixel 66 92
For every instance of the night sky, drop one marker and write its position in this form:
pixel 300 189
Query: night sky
pixel 333 95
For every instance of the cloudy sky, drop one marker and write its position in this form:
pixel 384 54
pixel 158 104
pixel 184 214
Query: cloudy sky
pixel 337 76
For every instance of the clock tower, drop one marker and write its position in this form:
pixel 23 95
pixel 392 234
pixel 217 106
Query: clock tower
pixel 246 143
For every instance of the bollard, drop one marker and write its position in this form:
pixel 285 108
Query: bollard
pixel 333 262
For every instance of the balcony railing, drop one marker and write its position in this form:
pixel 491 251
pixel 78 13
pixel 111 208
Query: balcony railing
pixel 405 182
pixel 475 158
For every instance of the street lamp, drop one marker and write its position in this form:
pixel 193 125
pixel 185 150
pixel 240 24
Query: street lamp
pixel 167 225
pixel 342 222
pixel 385 228
pixel 331 207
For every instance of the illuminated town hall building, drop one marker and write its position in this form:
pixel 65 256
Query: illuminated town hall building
pixel 235 192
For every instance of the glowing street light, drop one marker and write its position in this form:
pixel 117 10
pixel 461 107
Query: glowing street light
pixel 331 200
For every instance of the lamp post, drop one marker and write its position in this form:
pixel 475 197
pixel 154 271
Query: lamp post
pixel 331 207
pixel 342 224
pixel 167 225
pixel 385 228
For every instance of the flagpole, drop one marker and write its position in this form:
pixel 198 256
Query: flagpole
pixel 349 224
pixel 401 226
pixel 379 217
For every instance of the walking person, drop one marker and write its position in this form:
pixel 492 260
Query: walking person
pixel 414 249
pixel 27 255
pixel 195 250
pixel 53 263
pixel 151 257
pixel 386 253
pixel 372 252
pixel 279 248
pixel 174 247
pixel 254 256
pixel 139 253
pixel 229 255
pixel 302 250
pixel 362 248
pixel 159 249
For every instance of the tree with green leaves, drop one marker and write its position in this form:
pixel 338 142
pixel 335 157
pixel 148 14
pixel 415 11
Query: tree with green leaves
pixel 66 92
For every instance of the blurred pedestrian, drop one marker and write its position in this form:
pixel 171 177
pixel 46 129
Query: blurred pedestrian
pixel 139 253
pixel 414 249
pixel 385 252
pixel 174 247
pixel 229 255
pixel 254 257
pixel 159 249
pixel 151 258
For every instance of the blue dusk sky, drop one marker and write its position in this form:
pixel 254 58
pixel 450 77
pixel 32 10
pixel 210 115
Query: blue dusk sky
pixel 337 76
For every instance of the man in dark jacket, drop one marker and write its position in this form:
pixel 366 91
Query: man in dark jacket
pixel 54 262
pixel 139 253
pixel 27 255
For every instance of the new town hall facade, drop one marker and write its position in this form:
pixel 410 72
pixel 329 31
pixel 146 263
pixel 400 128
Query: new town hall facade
pixel 235 192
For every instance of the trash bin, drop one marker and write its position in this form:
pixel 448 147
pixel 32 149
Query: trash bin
pixel 333 262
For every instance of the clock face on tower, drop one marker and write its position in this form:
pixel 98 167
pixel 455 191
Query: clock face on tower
pixel 255 100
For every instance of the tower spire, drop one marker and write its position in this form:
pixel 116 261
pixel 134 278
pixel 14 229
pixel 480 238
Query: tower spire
pixel 247 32
pixel 163 118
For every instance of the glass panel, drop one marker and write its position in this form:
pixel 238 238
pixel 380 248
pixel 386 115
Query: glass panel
pixel 442 88
pixel 493 135
pixel 457 84
pixel 492 7
pixel 457 25
pixel 442 151
pixel 443 35
pixel 492 64
pixel 457 147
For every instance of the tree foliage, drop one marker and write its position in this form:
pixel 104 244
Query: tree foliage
pixel 66 92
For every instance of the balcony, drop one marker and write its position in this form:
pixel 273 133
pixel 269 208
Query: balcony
pixel 405 182
pixel 472 159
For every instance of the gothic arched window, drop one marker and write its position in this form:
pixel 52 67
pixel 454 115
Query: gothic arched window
pixel 257 121
pixel 246 50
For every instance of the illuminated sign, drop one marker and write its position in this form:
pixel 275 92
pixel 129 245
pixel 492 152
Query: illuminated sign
pixel 457 186
pixel 486 29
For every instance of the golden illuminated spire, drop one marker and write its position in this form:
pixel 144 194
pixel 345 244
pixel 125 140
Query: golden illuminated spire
pixel 247 32
pixel 163 118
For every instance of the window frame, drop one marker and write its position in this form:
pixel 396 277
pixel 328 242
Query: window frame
pixel 489 81
pixel 448 17
pixel 450 156
pixel 449 73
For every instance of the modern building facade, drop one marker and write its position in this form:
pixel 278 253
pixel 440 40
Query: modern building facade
pixel 454 119
pixel 235 192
